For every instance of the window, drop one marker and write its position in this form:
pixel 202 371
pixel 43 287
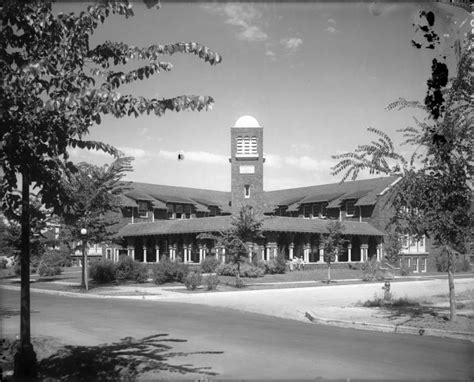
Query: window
pixel 405 240
pixel 187 211
pixel 307 211
pixel 415 265
pixel 247 191
pixel 323 209
pixel 350 207
pixel 142 208
pixel 423 265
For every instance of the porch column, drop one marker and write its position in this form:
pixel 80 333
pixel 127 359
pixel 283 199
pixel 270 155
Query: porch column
pixel 144 254
pixel 170 251
pixel 175 251
pixel 379 252
pixel 349 253
pixel 157 253
pixel 250 247
pixel 267 252
pixel 321 254
pixel 307 248
pixel 185 254
pixel 190 249
pixel 131 252
pixel 291 248
pixel 364 252
pixel 223 255
pixel 204 253
pixel 201 250
pixel 261 249
pixel 336 257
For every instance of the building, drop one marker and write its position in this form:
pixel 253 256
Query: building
pixel 159 220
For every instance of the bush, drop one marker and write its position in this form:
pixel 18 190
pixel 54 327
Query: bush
pixel 3 263
pixel 209 265
pixel 405 270
pixel 371 271
pixel 46 270
pixel 167 271
pixel 249 270
pixel 130 269
pixel 50 264
pixel 211 282
pixel 226 270
pixel 140 274
pixel 277 265
pixel 246 270
pixel 193 280
pixel 464 265
pixel 102 271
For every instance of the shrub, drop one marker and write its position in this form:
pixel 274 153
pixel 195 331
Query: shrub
pixel 50 264
pixel 167 271
pixel 246 270
pixel 239 283
pixel 102 271
pixel 211 282
pixel 209 265
pixel 226 270
pixel 277 265
pixel 129 269
pixel 405 270
pixel 140 273
pixel 464 265
pixel 371 271
pixel 3 263
pixel 193 280
pixel 46 270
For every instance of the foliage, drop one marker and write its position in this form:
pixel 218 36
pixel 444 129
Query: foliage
pixel 393 244
pixel 461 264
pixel 3 263
pixel 211 281
pixel 93 193
pixel 209 264
pixel 246 228
pixel 405 270
pixel 46 270
pixel 276 265
pixel 246 270
pixel 50 99
pixel 168 271
pixel 371 271
pixel 50 263
pixel 433 196
pixel 333 241
pixel 193 280
pixel 103 271
pixel 130 269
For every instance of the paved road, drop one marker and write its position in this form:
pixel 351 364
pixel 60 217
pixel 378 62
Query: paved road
pixel 254 346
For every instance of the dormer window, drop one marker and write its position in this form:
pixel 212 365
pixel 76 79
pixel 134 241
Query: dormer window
pixel 350 207
pixel 142 208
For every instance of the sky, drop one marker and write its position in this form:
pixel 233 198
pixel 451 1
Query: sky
pixel 315 76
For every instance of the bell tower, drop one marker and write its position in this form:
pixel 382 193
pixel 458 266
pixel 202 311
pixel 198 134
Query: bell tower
pixel 246 148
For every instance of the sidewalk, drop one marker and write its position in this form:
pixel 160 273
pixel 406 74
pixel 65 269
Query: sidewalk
pixel 335 305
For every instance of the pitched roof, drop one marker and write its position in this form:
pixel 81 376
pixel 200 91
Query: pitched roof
pixel 219 223
pixel 331 192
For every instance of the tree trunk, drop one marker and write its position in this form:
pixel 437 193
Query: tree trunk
pixel 25 358
pixel 452 294
pixel 237 276
pixel 329 273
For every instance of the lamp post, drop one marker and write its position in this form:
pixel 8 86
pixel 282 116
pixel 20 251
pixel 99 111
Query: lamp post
pixel 85 283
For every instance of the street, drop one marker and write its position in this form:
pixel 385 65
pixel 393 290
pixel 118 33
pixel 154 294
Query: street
pixel 242 345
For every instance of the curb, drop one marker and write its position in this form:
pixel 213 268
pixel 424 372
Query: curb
pixel 390 328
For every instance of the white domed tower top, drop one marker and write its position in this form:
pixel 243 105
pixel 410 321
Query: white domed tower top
pixel 246 121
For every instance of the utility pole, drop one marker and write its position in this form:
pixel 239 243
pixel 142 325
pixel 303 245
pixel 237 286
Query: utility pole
pixel 85 281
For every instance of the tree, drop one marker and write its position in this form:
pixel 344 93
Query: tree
pixel 333 243
pixel 55 87
pixel 94 194
pixel 245 228
pixel 433 197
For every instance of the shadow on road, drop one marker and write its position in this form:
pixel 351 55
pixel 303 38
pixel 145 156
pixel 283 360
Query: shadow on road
pixel 126 359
